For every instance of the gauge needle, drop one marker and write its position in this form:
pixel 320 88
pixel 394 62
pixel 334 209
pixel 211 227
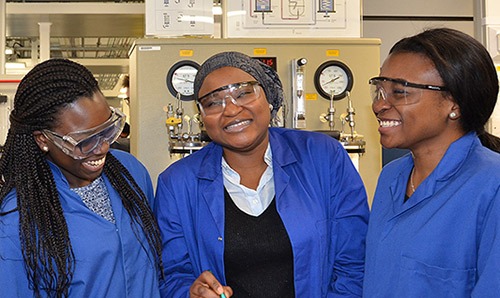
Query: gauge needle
pixel 183 80
pixel 332 80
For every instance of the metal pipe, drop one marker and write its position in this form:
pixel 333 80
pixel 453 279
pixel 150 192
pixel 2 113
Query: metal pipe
pixel 34 52
pixel 223 19
pixel 44 40
pixel 90 49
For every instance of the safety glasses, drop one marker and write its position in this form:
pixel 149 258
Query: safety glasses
pixel 240 94
pixel 80 144
pixel 398 92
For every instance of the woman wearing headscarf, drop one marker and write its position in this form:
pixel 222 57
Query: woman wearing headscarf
pixel 261 211
pixel 75 217
pixel 435 224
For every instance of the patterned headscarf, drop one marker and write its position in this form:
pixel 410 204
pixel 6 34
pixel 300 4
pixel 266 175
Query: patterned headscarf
pixel 264 74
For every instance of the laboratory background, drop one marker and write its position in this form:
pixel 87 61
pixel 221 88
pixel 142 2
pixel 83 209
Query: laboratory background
pixel 145 55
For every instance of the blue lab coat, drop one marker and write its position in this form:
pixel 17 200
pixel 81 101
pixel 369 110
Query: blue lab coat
pixel 319 196
pixel 110 261
pixel 445 240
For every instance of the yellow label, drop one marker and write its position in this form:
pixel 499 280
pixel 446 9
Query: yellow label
pixel 335 53
pixel 186 53
pixel 260 51
pixel 498 68
pixel 311 96
pixel 173 121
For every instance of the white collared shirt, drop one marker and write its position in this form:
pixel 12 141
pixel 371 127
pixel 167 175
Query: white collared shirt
pixel 252 202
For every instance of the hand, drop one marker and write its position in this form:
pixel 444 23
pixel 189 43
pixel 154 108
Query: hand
pixel 207 286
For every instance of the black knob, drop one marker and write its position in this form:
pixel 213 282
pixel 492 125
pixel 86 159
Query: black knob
pixel 302 61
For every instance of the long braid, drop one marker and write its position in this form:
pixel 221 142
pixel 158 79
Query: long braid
pixel 136 204
pixel 45 242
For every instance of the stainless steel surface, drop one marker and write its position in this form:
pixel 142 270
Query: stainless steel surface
pixel 77 25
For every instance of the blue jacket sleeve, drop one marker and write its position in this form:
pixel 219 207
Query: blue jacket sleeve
pixel 488 259
pixel 349 210
pixel 179 274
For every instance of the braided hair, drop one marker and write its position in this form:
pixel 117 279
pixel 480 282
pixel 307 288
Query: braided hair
pixel 43 232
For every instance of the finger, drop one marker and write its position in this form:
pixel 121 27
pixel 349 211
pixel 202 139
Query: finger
pixel 216 286
pixel 206 285
pixel 208 278
pixel 201 290
pixel 228 291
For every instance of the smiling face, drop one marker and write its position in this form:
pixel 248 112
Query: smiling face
pixel 83 114
pixel 239 129
pixel 422 125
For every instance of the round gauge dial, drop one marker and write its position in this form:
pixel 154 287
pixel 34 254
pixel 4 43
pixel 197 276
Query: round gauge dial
pixel 180 79
pixel 333 77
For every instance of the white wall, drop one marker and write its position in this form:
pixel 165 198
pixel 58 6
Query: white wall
pixel 391 20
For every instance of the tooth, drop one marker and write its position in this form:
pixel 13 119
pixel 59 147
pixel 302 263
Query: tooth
pixel 389 123
pixel 95 163
pixel 237 124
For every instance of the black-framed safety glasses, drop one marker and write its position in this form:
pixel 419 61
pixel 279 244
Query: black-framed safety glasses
pixel 398 92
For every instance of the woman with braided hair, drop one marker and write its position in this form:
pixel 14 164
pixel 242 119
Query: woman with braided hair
pixel 75 217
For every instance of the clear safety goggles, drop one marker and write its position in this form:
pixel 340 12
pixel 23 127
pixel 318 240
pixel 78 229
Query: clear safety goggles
pixel 240 94
pixel 398 92
pixel 80 144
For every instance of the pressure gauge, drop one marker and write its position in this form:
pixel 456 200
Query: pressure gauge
pixel 333 77
pixel 180 79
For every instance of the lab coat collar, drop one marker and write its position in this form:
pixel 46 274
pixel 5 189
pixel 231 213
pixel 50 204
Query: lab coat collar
pixel 212 162
pixel 211 183
pixel 456 156
pixel 451 163
pixel 282 156
pixel 71 200
pixel 58 175
pixel 211 166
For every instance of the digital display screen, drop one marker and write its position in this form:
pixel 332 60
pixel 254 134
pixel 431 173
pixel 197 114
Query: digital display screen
pixel 271 61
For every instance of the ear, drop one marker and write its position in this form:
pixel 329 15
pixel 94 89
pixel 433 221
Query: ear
pixel 455 112
pixel 452 106
pixel 41 140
